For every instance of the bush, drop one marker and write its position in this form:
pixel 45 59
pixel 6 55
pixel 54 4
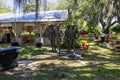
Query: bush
pixel 116 29
pixel 64 46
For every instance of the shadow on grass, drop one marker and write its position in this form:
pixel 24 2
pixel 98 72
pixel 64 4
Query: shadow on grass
pixel 102 71
pixel 88 72
pixel 4 45
pixel 99 71
pixel 31 50
pixel 111 57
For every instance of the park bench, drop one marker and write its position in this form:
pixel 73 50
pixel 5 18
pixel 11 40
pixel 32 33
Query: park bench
pixel 8 57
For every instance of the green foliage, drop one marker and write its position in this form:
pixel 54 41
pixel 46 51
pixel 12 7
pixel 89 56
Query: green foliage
pixel 116 28
pixel 32 7
pixel 88 11
pixel 64 45
pixel 99 11
pixel 63 4
pixel 96 29
pixel 77 44
pixel 51 6
pixel 29 8
pixel 4 8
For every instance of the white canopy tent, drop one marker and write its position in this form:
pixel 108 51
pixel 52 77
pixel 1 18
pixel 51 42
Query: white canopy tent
pixel 45 17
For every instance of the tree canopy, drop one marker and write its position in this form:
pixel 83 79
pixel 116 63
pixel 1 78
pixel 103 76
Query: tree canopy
pixel 4 8
pixel 21 5
pixel 104 12
pixel 94 12
pixel 30 7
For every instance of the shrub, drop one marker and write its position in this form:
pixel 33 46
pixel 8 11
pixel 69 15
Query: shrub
pixel 116 29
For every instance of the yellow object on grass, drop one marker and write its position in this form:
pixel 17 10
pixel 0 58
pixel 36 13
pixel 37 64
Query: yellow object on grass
pixel 83 41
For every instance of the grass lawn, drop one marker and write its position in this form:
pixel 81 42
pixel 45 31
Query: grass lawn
pixel 98 63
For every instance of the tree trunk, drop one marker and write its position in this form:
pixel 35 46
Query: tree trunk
pixel 106 30
pixel 37 9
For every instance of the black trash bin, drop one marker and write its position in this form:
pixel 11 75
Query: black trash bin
pixel 39 45
pixel 8 57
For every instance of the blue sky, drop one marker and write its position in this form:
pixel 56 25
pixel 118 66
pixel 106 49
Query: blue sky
pixel 10 2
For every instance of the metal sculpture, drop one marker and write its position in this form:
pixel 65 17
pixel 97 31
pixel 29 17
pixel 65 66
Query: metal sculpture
pixel 74 36
pixel 71 35
pixel 52 37
pixel 58 38
pixel 68 37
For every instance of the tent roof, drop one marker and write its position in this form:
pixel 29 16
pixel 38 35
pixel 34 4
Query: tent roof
pixel 55 15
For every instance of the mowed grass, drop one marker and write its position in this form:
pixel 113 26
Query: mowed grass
pixel 28 50
pixel 107 68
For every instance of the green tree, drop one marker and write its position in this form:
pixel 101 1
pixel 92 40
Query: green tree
pixel 106 14
pixel 31 7
pixel 62 4
pixel 21 5
pixel 100 11
pixel 116 29
pixel 50 6
pixel 72 6
pixel 4 8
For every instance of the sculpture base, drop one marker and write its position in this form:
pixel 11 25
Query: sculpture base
pixel 50 52
pixel 76 54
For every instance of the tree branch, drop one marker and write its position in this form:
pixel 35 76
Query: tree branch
pixel 102 23
pixel 114 23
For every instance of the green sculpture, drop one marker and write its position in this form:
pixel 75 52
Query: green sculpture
pixel 58 38
pixel 74 36
pixel 71 35
pixel 52 37
pixel 68 37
